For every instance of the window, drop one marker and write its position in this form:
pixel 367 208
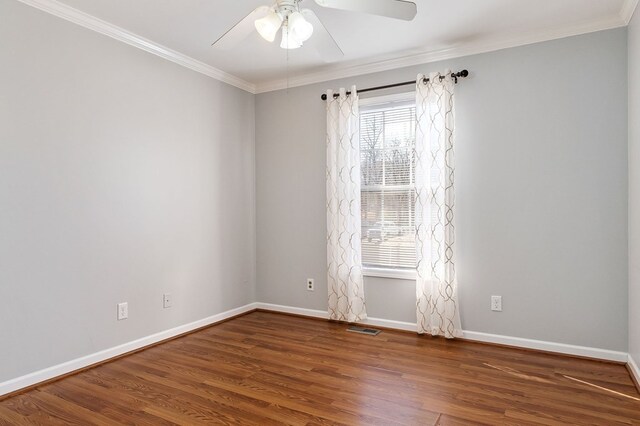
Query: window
pixel 387 140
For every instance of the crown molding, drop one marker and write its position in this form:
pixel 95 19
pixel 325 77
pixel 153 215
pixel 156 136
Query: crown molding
pixel 467 49
pixel 628 8
pixel 78 17
pixel 352 69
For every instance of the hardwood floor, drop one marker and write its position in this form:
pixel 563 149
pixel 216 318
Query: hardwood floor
pixel 267 368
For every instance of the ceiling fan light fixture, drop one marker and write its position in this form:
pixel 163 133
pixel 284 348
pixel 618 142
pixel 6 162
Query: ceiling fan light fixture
pixel 289 39
pixel 268 26
pixel 300 27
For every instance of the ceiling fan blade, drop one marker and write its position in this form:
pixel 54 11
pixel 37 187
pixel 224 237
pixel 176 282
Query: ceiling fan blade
pixel 321 39
pixel 241 30
pixel 398 9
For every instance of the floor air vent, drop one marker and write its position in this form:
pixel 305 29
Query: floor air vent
pixel 362 330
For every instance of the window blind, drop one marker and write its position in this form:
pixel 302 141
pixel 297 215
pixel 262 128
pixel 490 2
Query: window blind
pixel 387 141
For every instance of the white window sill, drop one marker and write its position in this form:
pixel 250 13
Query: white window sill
pixel 400 274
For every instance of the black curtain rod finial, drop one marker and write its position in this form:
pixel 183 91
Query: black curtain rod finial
pixel 454 75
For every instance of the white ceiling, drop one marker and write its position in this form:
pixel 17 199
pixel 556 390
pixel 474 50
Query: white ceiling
pixel 190 26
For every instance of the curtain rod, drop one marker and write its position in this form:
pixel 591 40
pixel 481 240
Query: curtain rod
pixel 454 75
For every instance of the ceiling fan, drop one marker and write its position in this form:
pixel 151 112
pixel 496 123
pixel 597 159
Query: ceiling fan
pixel 298 25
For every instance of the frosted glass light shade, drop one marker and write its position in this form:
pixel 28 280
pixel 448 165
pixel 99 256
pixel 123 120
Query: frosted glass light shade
pixel 289 40
pixel 268 26
pixel 300 27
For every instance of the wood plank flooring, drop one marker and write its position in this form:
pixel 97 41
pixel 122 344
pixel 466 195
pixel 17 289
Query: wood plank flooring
pixel 267 368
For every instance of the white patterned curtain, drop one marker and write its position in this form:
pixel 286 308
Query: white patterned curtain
pixel 436 286
pixel 344 259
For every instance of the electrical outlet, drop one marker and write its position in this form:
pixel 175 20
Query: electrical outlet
pixel 123 311
pixel 310 286
pixel 167 300
pixel 496 303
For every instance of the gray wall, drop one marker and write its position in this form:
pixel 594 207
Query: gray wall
pixel 541 193
pixel 122 176
pixel 634 188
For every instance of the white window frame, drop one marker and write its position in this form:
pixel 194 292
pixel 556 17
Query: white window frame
pixel 384 101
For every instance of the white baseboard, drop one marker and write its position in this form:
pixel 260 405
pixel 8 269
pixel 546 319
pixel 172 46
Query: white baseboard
pixel 85 361
pixel 379 322
pixel 519 342
pixel 541 345
pixel 293 310
pixel 635 370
